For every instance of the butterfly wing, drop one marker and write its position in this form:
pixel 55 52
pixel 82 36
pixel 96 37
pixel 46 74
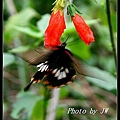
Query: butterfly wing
pixel 87 70
pixel 35 79
pixel 34 57
pixel 59 77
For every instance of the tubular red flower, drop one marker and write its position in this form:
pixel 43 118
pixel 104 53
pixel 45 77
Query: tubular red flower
pixel 83 30
pixel 54 30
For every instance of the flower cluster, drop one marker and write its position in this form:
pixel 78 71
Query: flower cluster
pixel 57 25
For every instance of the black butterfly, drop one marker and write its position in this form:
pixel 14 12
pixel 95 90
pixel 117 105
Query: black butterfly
pixel 57 67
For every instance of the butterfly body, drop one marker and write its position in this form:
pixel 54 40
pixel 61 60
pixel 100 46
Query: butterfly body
pixel 56 69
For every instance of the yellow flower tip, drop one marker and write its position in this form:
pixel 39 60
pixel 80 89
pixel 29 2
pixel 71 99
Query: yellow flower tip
pixel 59 5
pixel 56 10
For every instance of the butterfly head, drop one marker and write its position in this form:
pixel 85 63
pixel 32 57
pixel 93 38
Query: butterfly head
pixel 63 45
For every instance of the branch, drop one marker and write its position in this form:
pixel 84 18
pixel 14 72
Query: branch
pixel 110 28
pixel 11 7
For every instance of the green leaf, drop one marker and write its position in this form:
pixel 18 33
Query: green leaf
pixel 38 110
pixel 28 31
pixel 110 66
pixel 43 23
pixel 8 59
pixel 95 1
pixel 23 17
pixel 60 111
pixel 20 19
pixel 79 49
pixel 109 82
pixel 92 21
pixel 63 92
pixel 25 101
pixel 20 49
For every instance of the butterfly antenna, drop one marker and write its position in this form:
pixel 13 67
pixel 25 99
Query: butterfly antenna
pixel 67 39
pixel 70 43
pixel 64 43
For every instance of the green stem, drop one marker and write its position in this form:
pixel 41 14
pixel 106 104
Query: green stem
pixel 110 28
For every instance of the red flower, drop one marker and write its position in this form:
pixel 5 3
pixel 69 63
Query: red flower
pixel 54 30
pixel 83 29
pixel 56 25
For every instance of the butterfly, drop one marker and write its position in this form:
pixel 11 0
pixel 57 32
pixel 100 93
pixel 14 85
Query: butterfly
pixel 58 67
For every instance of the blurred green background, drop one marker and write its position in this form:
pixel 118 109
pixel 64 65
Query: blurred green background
pixel 24 23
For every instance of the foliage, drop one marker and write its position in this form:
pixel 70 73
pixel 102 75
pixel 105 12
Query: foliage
pixel 25 30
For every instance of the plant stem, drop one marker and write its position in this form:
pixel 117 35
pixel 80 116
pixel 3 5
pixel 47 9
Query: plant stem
pixel 46 98
pixel 110 28
pixel 51 110
pixel 11 7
